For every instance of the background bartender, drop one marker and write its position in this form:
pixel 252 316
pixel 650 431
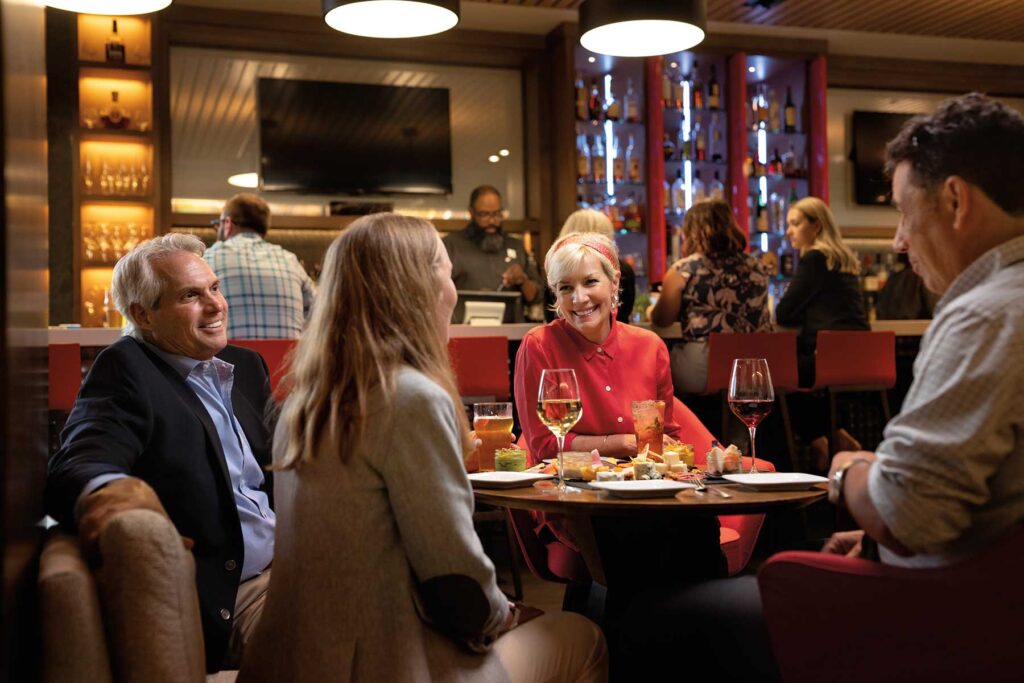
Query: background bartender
pixel 484 258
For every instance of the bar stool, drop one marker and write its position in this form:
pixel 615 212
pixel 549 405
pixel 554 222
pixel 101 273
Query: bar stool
pixel 481 368
pixel 276 354
pixel 779 349
pixel 854 361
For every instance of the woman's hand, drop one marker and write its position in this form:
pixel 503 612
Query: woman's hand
pixel 619 446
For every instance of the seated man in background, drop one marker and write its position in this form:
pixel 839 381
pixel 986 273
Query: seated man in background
pixel 171 419
pixel 947 481
pixel 270 292
pixel 485 258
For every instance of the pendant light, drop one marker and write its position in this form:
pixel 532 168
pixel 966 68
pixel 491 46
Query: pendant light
pixel 630 28
pixel 112 7
pixel 391 18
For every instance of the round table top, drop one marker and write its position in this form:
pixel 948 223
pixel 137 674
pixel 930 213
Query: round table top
pixel 544 496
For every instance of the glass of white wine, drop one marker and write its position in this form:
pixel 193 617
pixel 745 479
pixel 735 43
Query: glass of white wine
pixel 560 407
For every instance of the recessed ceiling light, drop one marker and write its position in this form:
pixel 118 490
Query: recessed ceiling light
pixel 249 180
pixel 113 7
pixel 751 69
pixel 391 18
pixel 494 158
pixel 503 152
pixel 628 28
pixel 673 64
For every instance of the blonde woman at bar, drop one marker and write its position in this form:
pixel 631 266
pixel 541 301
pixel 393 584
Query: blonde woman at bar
pixel 380 574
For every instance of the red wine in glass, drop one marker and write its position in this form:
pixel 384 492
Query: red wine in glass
pixel 751 413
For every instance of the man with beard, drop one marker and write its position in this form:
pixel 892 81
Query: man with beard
pixel 485 258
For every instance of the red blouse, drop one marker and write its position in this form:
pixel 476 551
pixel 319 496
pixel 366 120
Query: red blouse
pixel 631 365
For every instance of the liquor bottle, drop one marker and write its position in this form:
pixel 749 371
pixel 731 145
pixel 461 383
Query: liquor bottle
pixel 595 103
pixel 613 107
pixel 668 147
pixel 774 113
pixel 666 199
pixel 618 162
pixel 631 104
pixel 633 220
pixel 790 112
pixel 792 193
pixel 700 140
pixel 717 188
pixel 582 96
pixel 748 166
pixel 775 165
pixel 762 107
pixel 115 45
pixel 684 150
pixel 715 140
pixel 632 161
pixel 678 90
pixel 700 191
pixel 762 219
pixel 714 91
pixel 777 213
pixel 666 88
pixel 697 89
pixel 598 159
pixel 789 162
pixel 112 115
pixel 679 194
pixel 582 159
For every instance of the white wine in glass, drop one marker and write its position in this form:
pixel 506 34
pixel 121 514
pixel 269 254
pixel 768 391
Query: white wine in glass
pixel 751 397
pixel 559 407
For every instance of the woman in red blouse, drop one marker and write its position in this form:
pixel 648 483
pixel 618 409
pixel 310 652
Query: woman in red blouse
pixel 615 363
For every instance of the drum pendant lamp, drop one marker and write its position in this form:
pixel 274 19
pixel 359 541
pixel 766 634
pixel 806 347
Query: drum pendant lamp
pixel 112 7
pixel 391 18
pixel 642 28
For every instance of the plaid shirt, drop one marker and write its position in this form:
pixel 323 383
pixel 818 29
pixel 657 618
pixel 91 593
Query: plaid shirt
pixel 269 293
pixel 949 479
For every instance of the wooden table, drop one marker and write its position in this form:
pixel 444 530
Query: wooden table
pixel 579 508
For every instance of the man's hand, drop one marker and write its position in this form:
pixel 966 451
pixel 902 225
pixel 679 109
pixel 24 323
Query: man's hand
pixel 102 505
pixel 514 276
pixel 844 543
pixel 845 456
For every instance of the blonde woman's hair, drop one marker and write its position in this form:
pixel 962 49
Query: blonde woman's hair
pixel 568 253
pixel 375 312
pixel 828 241
pixel 587 220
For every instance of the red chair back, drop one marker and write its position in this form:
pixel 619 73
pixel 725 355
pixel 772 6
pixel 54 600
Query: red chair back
pixel 778 348
pixel 847 620
pixel 481 367
pixel 855 359
pixel 276 354
pixel 65 375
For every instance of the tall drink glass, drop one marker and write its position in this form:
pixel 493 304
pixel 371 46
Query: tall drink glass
pixel 492 423
pixel 751 397
pixel 649 425
pixel 559 407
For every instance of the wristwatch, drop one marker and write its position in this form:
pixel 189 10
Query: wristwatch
pixel 835 485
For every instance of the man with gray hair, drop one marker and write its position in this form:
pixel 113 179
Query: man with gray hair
pixel 170 418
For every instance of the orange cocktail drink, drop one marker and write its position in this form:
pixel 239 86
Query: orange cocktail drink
pixel 649 425
pixel 492 423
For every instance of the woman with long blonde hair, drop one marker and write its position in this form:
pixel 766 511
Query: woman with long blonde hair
pixel 825 293
pixel 379 574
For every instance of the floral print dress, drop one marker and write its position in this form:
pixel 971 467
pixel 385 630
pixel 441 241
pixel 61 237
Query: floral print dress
pixel 724 294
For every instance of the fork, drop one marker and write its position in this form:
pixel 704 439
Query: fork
pixel 703 488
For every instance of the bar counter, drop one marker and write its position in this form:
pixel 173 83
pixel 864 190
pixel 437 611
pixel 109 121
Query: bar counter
pixel 102 336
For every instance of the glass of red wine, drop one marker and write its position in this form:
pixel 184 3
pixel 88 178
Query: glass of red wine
pixel 751 397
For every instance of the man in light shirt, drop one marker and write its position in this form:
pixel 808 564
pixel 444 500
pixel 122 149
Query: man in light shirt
pixel 170 418
pixel 270 292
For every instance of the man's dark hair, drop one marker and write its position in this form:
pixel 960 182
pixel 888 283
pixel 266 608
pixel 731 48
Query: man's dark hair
pixel 974 137
pixel 248 211
pixel 481 191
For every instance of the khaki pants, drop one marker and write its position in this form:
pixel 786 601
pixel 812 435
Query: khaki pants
pixel 555 647
pixel 249 601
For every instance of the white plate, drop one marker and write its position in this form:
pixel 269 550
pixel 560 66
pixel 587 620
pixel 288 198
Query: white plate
pixel 655 488
pixel 505 480
pixel 776 481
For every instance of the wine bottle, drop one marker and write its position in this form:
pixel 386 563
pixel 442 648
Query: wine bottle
pixel 714 91
pixel 700 140
pixel 115 45
pixel 774 113
pixel 678 91
pixel 790 113
pixel 697 90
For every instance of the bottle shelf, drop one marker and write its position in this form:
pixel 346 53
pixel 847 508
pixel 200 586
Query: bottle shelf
pixel 143 199
pixel 723 163
pixel 778 134
pixel 131 133
pixel 114 66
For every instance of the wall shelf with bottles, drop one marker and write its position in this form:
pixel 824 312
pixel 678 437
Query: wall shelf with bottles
pixel 115 154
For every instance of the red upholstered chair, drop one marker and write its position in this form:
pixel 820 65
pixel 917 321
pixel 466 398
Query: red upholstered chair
pixel 779 349
pixel 276 354
pixel 844 620
pixel 481 368
pixel 854 361
pixel 65 375
pixel 738 534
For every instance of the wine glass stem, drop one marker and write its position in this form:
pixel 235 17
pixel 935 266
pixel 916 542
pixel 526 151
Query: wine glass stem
pixel 753 453
pixel 561 474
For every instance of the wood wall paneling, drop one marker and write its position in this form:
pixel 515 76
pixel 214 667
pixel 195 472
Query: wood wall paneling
pixel 561 60
pixel 880 73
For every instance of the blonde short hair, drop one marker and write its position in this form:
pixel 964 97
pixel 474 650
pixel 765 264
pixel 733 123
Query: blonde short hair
pixel 589 221
pixel 568 253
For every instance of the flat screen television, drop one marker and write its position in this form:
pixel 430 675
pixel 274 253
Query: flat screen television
pixel 322 137
pixel 872 130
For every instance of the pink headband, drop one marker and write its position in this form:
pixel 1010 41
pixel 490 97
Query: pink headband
pixel 582 239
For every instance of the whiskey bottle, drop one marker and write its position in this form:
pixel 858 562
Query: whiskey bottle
pixel 582 111
pixel 595 103
pixel 700 190
pixel 598 158
pixel 618 162
pixel 790 111
pixel 582 160
pixel 631 104
pixel 717 187
pixel 115 45
pixel 112 115
pixel 697 89
pixel 668 147
pixel 613 107
pixel 632 161
pixel 714 91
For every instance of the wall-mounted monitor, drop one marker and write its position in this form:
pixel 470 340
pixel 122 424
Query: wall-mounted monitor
pixel 322 137
pixel 872 131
